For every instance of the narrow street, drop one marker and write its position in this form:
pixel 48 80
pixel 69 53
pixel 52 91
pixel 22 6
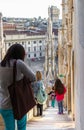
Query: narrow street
pixel 51 121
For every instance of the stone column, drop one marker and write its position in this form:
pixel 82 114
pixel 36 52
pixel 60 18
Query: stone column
pixel 72 85
pixel 1 51
pixel 60 53
pixel 69 78
pixel 1 36
pixel 79 65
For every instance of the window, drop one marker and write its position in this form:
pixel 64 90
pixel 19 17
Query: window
pixel 34 42
pixel 40 41
pixel 29 55
pixel 29 42
pixel 35 55
pixel 28 49
pixel 34 48
pixel 40 48
pixel 9 44
pixel 22 43
pixel 40 54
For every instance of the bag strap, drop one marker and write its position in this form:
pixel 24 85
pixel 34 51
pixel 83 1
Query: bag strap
pixel 14 72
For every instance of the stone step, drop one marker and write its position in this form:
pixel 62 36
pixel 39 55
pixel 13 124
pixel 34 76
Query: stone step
pixel 51 121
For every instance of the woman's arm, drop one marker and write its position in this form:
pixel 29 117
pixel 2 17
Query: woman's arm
pixel 50 93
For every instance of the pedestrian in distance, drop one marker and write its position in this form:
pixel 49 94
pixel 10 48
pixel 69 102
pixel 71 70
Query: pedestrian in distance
pixel 37 86
pixel 52 97
pixel 60 91
pixel 16 52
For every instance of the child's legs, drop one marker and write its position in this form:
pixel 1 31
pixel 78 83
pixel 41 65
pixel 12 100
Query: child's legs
pixel 21 124
pixel 53 103
pixel 8 118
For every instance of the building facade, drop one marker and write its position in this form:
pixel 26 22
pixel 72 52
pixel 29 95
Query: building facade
pixel 34 44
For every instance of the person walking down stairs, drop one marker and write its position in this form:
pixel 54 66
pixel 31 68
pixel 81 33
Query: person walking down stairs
pixel 60 91
pixel 52 97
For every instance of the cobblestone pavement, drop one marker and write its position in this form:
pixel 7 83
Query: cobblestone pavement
pixel 51 121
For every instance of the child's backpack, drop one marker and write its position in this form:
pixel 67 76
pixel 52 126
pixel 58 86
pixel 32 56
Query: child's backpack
pixel 41 95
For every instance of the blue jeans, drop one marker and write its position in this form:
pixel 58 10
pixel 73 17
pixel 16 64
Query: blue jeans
pixel 60 107
pixel 9 120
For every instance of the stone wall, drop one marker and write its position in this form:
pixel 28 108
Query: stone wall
pixel 79 65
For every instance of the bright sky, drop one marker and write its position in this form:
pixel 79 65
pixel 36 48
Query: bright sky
pixel 27 8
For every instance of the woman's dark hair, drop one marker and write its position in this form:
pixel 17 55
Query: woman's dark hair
pixel 16 51
pixel 59 87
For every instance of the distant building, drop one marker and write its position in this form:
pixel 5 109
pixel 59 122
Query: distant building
pixel 54 13
pixel 34 41
pixel 9 26
pixel 32 37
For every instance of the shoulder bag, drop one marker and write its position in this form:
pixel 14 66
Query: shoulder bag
pixel 21 95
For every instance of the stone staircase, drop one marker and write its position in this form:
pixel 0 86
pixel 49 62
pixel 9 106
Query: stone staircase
pixel 51 121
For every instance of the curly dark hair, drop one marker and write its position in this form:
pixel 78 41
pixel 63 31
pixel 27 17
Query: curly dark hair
pixel 16 51
pixel 59 87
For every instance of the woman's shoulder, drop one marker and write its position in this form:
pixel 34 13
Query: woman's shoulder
pixel 38 83
pixel 18 62
pixel 35 85
pixel 21 63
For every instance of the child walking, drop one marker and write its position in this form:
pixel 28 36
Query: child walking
pixel 60 90
pixel 52 95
